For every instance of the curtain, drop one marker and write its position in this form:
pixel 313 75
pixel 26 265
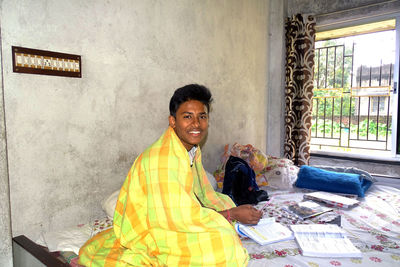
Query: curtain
pixel 300 40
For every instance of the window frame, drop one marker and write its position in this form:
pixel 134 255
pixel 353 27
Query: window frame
pixel 395 149
pixel 396 136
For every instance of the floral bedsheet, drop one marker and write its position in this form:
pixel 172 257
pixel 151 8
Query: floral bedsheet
pixel 373 226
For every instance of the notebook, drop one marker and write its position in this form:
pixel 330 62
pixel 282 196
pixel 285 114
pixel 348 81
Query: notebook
pixel 324 240
pixel 267 231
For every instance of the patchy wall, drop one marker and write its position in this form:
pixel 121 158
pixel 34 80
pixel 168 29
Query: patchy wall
pixel 319 7
pixel 72 141
pixel 5 222
pixel 276 78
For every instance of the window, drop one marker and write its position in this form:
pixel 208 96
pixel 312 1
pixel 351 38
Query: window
pixel 355 103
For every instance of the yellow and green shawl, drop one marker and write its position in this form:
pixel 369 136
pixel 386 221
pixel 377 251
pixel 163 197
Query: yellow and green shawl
pixel 166 215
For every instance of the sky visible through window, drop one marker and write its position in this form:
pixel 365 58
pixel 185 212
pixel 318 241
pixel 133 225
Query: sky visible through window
pixel 370 49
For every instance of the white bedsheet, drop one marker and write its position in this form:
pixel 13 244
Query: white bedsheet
pixel 373 226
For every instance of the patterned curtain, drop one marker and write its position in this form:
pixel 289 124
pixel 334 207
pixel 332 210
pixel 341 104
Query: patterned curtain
pixel 300 40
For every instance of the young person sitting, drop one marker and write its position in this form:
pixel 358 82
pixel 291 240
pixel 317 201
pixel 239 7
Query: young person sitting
pixel 167 213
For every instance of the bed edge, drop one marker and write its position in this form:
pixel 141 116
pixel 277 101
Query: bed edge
pixel 38 252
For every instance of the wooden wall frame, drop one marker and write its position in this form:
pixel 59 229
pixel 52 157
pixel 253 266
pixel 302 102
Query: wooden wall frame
pixel 34 61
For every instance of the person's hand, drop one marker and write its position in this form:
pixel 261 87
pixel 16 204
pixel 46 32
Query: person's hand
pixel 246 214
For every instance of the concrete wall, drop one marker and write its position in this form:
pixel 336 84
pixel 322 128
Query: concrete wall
pixel 5 218
pixel 276 78
pixel 72 141
pixel 319 7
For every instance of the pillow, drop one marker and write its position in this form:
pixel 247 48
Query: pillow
pixel 280 173
pixel 336 182
pixel 282 177
pixel 109 203
pixel 71 239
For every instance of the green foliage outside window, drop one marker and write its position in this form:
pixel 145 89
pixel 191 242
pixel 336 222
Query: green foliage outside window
pixel 363 130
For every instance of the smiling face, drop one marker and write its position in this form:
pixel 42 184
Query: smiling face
pixel 191 123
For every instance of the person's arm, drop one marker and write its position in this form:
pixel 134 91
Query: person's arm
pixel 246 214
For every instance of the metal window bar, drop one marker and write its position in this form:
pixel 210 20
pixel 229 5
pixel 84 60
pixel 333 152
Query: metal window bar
pixel 316 119
pixel 369 109
pixel 370 76
pixel 332 113
pixel 340 121
pixel 360 114
pixel 377 119
pixel 358 118
pixel 334 69
pixel 379 100
pixel 324 116
pixel 387 123
pixel 326 68
pixel 388 99
pixel 351 85
pixel 319 64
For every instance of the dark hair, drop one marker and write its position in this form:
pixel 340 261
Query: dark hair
pixel 190 92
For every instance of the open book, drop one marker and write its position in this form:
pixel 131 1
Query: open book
pixel 306 209
pixel 267 231
pixel 332 199
pixel 324 240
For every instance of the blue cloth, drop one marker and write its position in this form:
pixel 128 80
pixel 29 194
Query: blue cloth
pixel 335 182
pixel 240 181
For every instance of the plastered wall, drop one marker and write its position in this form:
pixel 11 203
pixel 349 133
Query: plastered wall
pixel 5 219
pixel 72 141
pixel 328 6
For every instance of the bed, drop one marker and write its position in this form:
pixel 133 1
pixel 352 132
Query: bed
pixel 373 226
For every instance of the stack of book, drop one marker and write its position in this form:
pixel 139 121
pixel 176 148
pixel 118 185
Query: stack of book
pixel 335 200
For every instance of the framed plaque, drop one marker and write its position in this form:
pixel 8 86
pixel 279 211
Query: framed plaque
pixel 34 61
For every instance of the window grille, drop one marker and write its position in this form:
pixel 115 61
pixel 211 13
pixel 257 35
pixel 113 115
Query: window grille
pixel 353 95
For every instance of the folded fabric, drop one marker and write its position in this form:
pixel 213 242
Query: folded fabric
pixel 336 182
